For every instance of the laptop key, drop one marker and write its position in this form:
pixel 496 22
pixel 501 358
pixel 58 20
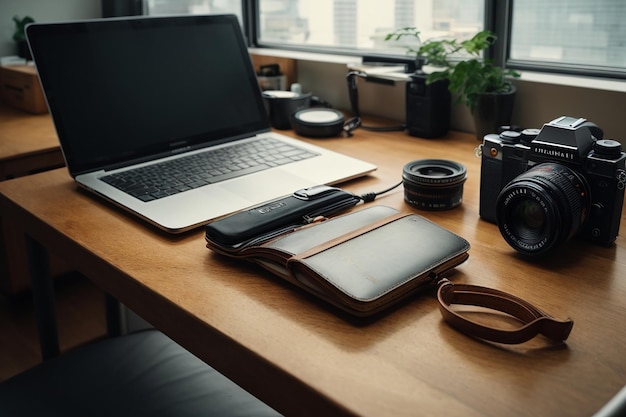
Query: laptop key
pixel 238 173
pixel 145 197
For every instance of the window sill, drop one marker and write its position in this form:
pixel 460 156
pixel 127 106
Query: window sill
pixel 530 76
pixel 593 83
pixel 305 56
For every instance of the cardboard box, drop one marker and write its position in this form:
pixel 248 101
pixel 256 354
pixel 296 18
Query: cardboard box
pixel 20 88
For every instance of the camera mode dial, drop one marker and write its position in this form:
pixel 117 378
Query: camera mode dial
pixel 510 136
pixel 608 148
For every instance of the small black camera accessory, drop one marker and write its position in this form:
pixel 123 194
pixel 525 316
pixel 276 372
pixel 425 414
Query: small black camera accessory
pixel 427 107
pixel 281 105
pixel 318 122
pixel 433 184
pixel 278 216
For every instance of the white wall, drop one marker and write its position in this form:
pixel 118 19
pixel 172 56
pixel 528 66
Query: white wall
pixel 41 11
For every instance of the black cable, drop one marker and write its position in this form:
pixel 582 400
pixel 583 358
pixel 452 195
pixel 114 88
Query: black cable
pixel 351 125
pixel 355 122
pixel 368 197
pixel 318 102
pixel 353 90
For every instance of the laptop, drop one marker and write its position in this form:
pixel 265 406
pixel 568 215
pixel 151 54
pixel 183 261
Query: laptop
pixel 143 94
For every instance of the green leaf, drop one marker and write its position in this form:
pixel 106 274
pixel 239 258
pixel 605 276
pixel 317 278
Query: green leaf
pixel 20 26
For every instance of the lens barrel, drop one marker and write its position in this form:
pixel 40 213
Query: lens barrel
pixel 433 184
pixel 542 208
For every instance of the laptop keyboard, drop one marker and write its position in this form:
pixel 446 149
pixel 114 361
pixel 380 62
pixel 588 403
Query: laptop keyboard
pixel 182 174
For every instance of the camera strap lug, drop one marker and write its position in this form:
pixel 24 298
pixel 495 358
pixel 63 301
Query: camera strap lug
pixel 478 151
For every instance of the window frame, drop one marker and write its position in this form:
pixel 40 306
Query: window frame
pixel 253 32
pixel 504 10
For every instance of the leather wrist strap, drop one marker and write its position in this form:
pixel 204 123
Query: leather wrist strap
pixel 534 320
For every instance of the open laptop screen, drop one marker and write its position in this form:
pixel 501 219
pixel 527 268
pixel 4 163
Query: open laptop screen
pixel 110 105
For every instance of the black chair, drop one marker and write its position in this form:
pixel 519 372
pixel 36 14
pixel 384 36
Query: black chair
pixel 138 374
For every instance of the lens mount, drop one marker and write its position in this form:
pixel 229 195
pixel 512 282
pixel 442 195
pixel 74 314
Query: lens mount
pixel 433 184
pixel 542 208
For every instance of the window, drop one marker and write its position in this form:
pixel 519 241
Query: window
pixel 164 7
pixel 578 35
pixel 361 25
pixel 568 36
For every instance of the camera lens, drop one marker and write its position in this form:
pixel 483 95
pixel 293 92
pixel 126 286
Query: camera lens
pixel 433 184
pixel 542 208
pixel 531 219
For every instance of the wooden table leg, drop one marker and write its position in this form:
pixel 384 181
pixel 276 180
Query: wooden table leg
pixel 43 297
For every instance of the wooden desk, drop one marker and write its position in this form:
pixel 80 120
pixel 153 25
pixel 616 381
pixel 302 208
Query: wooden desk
pixel 305 358
pixel 28 144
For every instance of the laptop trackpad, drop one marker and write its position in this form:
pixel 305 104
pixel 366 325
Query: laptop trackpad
pixel 267 185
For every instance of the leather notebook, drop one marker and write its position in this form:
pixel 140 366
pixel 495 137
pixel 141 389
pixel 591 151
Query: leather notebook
pixel 362 262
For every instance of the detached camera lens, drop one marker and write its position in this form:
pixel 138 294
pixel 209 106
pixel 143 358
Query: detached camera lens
pixel 433 184
pixel 542 208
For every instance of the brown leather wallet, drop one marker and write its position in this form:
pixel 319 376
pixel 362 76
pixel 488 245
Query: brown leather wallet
pixel 534 321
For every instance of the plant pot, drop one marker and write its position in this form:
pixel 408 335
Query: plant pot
pixel 492 111
pixel 23 51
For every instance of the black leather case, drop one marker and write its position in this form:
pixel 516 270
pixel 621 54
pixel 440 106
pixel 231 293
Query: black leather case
pixel 362 262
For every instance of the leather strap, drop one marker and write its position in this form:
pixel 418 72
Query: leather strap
pixel 350 235
pixel 533 319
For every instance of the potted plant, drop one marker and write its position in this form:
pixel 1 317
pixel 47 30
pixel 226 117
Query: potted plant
pixel 484 87
pixel 19 36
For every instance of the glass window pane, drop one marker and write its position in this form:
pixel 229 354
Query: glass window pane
pixel 579 32
pixel 363 24
pixel 165 7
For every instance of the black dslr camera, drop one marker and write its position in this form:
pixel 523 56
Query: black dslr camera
pixel 543 187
